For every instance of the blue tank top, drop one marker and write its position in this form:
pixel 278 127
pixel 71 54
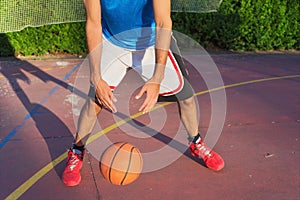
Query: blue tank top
pixel 128 23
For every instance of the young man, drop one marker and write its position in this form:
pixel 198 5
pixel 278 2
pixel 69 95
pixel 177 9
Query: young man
pixel 149 49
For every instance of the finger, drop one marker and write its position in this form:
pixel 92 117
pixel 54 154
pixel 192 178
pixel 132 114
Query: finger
pixel 140 94
pixel 110 106
pixel 98 100
pixel 113 108
pixel 111 101
pixel 106 102
pixel 145 106
pixel 149 106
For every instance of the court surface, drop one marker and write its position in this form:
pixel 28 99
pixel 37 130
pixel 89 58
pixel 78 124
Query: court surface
pixel 260 138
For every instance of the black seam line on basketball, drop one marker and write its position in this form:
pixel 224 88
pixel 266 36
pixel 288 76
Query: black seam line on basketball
pixel 112 161
pixel 129 164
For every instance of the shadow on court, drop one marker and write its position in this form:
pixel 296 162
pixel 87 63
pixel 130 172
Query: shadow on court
pixel 259 142
pixel 19 74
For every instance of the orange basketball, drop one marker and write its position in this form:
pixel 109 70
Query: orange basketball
pixel 121 163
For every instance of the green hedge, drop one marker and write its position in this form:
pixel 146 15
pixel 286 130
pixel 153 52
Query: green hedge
pixel 57 38
pixel 239 25
pixel 246 25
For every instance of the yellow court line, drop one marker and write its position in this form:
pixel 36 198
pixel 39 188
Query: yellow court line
pixel 48 69
pixel 33 71
pixel 121 122
pixel 31 181
pixel 248 82
pixel 42 172
pixel 63 66
pixel 16 74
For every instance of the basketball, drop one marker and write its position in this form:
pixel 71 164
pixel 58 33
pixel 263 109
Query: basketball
pixel 121 163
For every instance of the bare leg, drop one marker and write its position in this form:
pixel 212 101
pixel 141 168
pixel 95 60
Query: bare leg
pixel 198 149
pixel 188 113
pixel 86 121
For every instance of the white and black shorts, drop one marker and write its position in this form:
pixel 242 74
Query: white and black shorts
pixel 115 61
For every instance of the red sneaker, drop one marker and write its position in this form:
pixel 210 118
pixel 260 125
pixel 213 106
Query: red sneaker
pixel 71 175
pixel 212 160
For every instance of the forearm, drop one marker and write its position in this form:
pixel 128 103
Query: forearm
pixel 94 37
pixel 94 40
pixel 162 45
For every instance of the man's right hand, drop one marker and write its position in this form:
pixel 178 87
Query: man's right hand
pixel 104 95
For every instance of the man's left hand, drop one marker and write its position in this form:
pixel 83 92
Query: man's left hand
pixel 151 89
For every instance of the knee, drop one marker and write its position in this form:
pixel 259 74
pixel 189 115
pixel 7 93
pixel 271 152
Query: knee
pixel 190 102
pixel 92 108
